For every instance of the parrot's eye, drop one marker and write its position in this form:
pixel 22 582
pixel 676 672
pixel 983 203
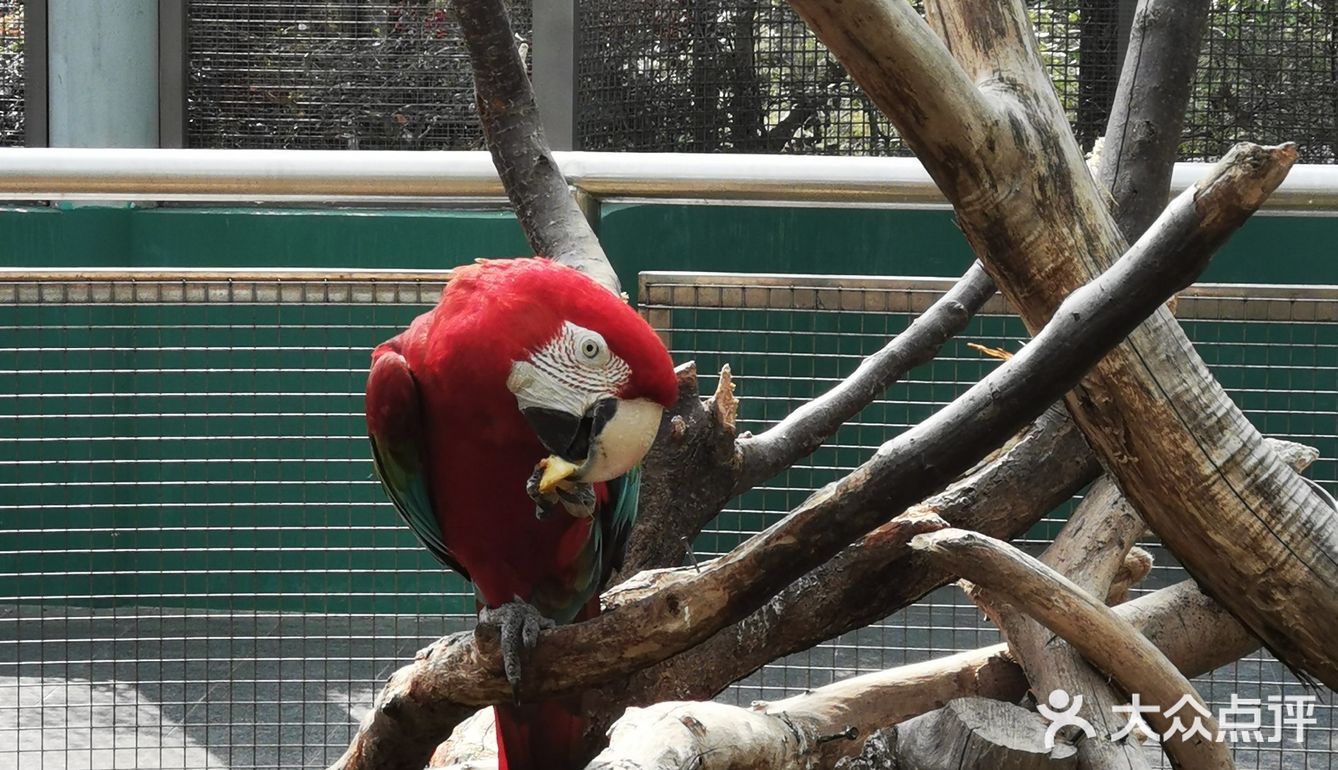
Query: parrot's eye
pixel 591 349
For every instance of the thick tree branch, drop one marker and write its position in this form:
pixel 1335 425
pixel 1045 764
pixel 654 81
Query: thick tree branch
pixel 553 223
pixel 1090 551
pixel 1092 628
pixel 904 63
pixel 1192 631
pixel 878 574
pixel 1254 533
pixel 697 465
pixel 1143 132
pixel 422 702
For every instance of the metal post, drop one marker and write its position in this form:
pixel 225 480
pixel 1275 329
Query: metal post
pixel 103 73
pixel 34 74
pixel 555 70
pixel 173 71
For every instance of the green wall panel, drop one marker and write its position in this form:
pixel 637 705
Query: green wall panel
pixel 213 456
pixel 773 239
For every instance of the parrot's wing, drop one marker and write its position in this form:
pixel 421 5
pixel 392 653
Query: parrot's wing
pixel 617 519
pixel 395 428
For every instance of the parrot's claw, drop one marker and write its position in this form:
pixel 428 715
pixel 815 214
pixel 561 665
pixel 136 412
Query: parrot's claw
pixel 578 498
pixel 518 624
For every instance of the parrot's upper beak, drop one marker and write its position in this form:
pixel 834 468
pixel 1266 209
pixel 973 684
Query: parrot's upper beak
pixel 604 443
pixel 568 435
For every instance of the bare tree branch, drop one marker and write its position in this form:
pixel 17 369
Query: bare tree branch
pixel 1151 410
pixel 1143 131
pixel 1089 550
pixel 804 429
pixel 697 465
pixel 553 223
pixel 1193 632
pixel 1091 627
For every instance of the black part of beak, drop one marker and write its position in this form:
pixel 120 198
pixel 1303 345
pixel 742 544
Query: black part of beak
pixel 567 435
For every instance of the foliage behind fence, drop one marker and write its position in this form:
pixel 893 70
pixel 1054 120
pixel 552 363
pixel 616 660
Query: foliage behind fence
pixel 685 76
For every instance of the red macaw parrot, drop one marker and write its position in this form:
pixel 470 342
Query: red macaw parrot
pixel 520 361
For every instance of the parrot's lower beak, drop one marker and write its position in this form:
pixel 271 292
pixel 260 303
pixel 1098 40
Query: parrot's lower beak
pixel 604 443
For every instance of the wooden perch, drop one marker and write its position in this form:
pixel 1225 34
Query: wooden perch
pixel 982 116
pixel 1094 550
pixel 696 465
pixel 1090 627
pixel 1090 551
pixel 423 701
pixel 553 223
pixel 1146 118
pixel 832 721
pixel 876 575
pixel 985 733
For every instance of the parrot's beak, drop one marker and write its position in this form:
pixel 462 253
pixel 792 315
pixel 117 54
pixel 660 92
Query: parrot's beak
pixel 568 435
pixel 602 444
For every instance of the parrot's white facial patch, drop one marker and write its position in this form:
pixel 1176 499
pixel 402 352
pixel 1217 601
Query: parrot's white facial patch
pixel 622 443
pixel 570 372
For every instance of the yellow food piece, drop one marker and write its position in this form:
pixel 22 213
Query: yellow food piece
pixel 556 470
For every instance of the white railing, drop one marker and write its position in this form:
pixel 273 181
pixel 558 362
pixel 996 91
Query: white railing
pixel 343 176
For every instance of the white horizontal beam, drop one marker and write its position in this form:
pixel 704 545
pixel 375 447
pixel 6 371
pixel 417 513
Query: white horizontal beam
pixel 337 175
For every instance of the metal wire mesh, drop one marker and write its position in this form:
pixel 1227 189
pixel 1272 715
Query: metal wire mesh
pixel 1268 73
pixel 197 570
pixel 332 74
pixel 11 73
pixel 748 76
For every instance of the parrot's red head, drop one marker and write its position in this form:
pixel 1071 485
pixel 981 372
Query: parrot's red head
pixel 588 374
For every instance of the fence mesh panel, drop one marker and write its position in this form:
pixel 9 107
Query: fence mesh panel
pixel 701 76
pixel 11 73
pixel 199 571
pixel 332 74
pixel 748 76
pixel 1268 73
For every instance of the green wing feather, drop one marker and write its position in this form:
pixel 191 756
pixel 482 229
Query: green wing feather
pixel 616 524
pixel 394 429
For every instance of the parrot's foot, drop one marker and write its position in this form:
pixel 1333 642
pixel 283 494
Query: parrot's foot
pixel 518 624
pixel 576 497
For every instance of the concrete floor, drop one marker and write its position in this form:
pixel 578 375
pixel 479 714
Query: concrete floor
pixel 170 689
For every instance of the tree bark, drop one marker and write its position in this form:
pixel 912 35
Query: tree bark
pixel 981 115
pixel 1148 115
pixel 553 223
pixel 832 722
pixel 976 733
pixel 1089 626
